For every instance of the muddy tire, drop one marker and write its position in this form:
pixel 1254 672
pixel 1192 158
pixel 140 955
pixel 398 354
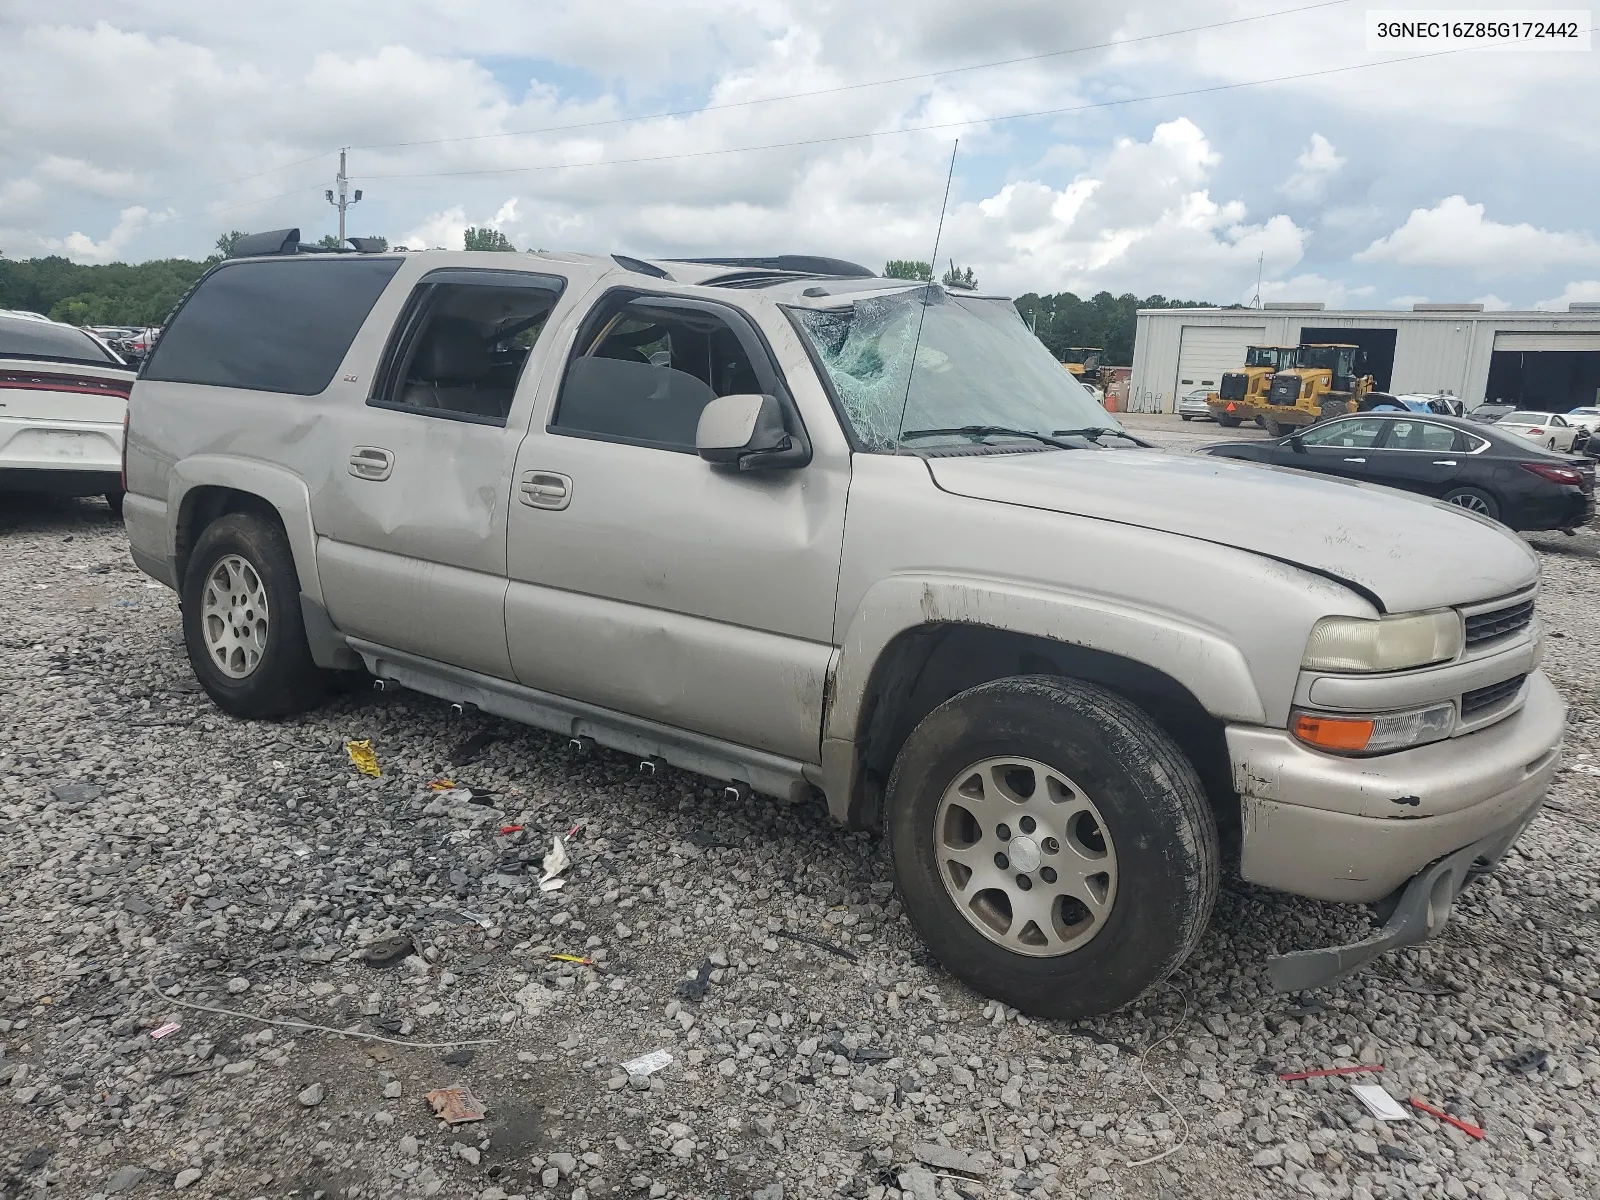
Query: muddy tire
pixel 1041 801
pixel 1229 422
pixel 242 624
pixel 1274 428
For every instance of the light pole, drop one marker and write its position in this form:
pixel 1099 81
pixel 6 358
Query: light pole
pixel 342 203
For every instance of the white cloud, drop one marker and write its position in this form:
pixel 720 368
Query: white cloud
pixel 1310 286
pixel 1454 233
pixel 1492 303
pixel 443 230
pixel 80 247
pixel 1318 163
pixel 86 177
pixel 1583 291
pixel 1144 214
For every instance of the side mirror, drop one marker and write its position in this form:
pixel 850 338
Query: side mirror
pixel 1297 442
pixel 747 432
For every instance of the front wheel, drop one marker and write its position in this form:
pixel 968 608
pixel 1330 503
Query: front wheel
pixel 1473 500
pixel 1052 844
pixel 242 624
pixel 1274 428
pixel 1229 422
pixel 1186 416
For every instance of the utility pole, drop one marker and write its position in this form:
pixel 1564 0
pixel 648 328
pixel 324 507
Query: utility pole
pixel 342 203
pixel 1261 259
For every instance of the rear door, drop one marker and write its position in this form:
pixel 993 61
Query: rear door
pixel 1419 456
pixel 411 523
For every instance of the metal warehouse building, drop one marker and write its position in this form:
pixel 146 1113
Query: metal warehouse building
pixel 1536 360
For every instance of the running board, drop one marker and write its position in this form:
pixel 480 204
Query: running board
pixel 584 724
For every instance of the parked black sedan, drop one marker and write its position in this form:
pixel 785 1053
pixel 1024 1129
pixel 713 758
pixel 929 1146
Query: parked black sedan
pixel 1458 461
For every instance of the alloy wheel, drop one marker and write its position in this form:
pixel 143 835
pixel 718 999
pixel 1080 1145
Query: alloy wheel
pixel 1025 856
pixel 234 616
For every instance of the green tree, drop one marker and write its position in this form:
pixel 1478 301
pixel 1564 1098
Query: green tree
pixel 487 239
pixel 907 268
pixel 227 242
pixel 960 277
pixel 329 241
pixel 1107 321
pixel 383 242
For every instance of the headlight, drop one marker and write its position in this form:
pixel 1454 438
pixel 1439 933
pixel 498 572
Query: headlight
pixel 1387 644
pixel 1376 734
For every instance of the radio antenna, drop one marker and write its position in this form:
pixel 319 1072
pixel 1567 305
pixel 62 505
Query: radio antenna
pixel 927 291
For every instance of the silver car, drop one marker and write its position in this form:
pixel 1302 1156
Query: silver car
pixel 1193 404
pixel 806 530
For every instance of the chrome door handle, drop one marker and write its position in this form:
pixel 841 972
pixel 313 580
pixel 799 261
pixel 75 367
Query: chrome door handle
pixel 371 462
pixel 545 489
pixel 1444 462
pixel 1360 460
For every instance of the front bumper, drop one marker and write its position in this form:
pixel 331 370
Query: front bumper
pixel 1355 829
pixel 1418 823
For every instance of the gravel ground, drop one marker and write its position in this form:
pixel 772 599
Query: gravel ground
pixel 155 852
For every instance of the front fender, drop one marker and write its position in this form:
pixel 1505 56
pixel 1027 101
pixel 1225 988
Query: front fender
pixel 283 489
pixel 1210 667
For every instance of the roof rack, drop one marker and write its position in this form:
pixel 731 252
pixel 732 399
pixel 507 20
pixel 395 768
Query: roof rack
pixel 287 241
pixel 799 264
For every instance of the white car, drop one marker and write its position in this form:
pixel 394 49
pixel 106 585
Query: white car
pixel 63 408
pixel 1193 404
pixel 1584 418
pixel 1550 430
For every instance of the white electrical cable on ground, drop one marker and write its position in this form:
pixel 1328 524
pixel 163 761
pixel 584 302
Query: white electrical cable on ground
pixel 1158 1093
pixel 308 1027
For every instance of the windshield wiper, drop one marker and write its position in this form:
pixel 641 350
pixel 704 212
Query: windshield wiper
pixel 977 431
pixel 1095 432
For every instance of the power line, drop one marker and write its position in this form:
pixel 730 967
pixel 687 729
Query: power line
pixel 849 137
pixel 241 179
pixel 850 87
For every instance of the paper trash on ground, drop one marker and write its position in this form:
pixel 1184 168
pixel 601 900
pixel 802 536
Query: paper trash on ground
pixel 1379 1103
pixel 647 1064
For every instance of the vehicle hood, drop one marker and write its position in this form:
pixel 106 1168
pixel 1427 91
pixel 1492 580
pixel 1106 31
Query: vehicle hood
pixel 1409 552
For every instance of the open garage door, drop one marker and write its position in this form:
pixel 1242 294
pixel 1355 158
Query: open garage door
pixel 1377 349
pixel 1546 372
pixel 1206 351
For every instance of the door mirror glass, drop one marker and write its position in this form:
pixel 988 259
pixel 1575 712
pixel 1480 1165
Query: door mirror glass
pixel 746 431
pixel 1297 442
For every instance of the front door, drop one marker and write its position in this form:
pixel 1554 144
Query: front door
pixel 1342 447
pixel 412 522
pixel 645 581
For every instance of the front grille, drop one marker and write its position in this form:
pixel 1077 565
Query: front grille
pixel 1480 700
pixel 1483 626
pixel 1284 390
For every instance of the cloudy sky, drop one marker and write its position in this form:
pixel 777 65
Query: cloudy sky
pixel 1102 147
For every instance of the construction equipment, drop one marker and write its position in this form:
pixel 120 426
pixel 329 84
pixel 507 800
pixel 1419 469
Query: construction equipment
pixel 1084 363
pixel 1322 384
pixel 1243 394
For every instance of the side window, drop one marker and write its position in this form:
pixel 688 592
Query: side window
pixel 1344 435
pixel 280 325
pixel 642 370
pixel 1421 435
pixel 462 342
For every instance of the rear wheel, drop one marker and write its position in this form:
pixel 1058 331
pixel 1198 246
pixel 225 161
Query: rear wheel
pixel 1229 422
pixel 1550 445
pixel 1053 846
pixel 114 502
pixel 1473 500
pixel 1186 416
pixel 242 624
pixel 1274 428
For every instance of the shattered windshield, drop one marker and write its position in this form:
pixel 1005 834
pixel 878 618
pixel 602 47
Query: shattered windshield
pixel 976 364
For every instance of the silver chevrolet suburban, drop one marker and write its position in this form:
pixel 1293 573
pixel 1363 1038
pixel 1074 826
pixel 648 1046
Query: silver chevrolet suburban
pixel 798 528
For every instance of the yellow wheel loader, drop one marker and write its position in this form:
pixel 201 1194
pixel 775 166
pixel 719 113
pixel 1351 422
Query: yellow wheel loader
pixel 1084 363
pixel 1322 384
pixel 1242 395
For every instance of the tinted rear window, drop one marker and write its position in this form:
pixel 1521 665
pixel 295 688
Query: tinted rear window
pixel 272 326
pixel 21 338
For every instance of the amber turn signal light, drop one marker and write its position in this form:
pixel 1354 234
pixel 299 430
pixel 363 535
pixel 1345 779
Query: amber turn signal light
pixel 1334 733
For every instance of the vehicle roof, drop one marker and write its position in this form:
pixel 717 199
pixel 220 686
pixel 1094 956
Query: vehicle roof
pixel 806 280
pixel 1533 414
